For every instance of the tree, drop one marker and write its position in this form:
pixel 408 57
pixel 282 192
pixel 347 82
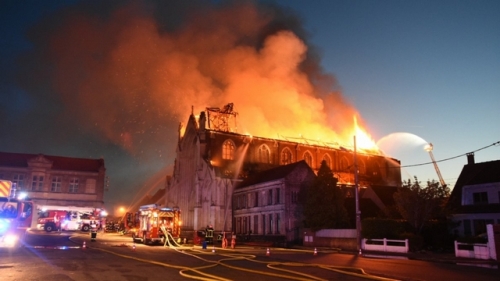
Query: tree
pixel 323 202
pixel 419 205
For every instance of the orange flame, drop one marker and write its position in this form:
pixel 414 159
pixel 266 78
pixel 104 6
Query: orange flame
pixel 363 140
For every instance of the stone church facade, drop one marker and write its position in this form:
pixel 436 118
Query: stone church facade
pixel 211 160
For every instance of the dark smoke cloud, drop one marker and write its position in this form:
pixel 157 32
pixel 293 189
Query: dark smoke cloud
pixel 108 77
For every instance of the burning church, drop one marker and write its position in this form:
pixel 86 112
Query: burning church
pixel 211 159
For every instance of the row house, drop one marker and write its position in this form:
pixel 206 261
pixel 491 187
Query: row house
pixel 56 180
pixel 475 199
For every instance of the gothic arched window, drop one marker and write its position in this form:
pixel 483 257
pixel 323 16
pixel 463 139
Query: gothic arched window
pixel 264 154
pixel 228 150
pixel 328 160
pixel 308 158
pixel 344 164
pixel 286 156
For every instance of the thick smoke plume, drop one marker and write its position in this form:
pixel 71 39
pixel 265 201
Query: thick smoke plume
pixel 129 72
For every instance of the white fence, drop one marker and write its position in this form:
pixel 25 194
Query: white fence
pixel 385 245
pixel 483 251
pixel 475 251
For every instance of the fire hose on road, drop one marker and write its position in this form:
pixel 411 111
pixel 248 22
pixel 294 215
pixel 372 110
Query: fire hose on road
pixel 284 273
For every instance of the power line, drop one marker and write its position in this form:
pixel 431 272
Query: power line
pixel 447 159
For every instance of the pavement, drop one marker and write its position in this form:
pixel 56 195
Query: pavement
pixel 438 257
pixel 434 257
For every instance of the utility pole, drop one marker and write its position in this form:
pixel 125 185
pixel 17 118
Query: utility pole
pixel 356 193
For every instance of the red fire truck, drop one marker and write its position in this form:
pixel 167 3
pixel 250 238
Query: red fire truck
pixel 148 223
pixel 52 218
pixel 15 216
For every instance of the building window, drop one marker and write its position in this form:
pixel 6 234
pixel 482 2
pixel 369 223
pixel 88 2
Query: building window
pixel 277 196
pixel 18 181
pixel 270 197
pixel 467 228
pixel 264 154
pixel 37 183
pixel 249 225
pixel 362 167
pixel 228 150
pixel 263 224
pixel 270 223
pixel 286 156
pixel 73 185
pixel 344 164
pixel 238 225
pixel 245 225
pixel 256 202
pixel 56 184
pixel 256 224
pixel 480 197
pixel 480 226
pixel 327 160
pixel 308 158
pixel 278 222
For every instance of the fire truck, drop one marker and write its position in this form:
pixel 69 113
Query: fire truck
pixel 150 223
pixel 52 218
pixel 15 216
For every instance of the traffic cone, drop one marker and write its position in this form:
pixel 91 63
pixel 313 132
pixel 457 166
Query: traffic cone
pixel 133 246
pixel 315 251
pixel 267 252
pixel 84 246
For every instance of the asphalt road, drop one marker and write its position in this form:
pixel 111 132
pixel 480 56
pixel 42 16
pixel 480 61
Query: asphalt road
pixel 61 256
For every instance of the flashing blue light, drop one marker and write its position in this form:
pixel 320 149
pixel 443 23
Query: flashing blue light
pixel 4 224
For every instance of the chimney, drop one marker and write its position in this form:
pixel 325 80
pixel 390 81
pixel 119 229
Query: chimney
pixel 470 158
pixel 202 121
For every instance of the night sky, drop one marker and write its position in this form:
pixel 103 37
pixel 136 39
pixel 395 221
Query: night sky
pixel 114 79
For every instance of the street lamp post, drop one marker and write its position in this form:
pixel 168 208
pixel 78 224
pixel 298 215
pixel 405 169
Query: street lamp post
pixel 356 195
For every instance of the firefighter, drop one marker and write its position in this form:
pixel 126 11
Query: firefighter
pixel 209 234
pixel 233 240
pixel 93 231
pixel 224 241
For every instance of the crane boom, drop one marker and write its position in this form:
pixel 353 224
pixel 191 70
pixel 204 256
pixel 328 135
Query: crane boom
pixel 429 148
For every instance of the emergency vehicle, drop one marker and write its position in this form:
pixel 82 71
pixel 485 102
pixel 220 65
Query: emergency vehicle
pixel 52 218
pixel 149 223
pixel 15 216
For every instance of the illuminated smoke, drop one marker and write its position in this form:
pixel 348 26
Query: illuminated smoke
pixel 131 72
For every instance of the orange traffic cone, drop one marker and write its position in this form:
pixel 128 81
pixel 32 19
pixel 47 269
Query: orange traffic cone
pixel 133 246
pixel 84 245
pixel 315 251
pixel 267 252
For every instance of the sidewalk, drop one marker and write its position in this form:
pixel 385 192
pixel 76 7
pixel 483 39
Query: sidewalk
pixel 432 257
pixel 423 256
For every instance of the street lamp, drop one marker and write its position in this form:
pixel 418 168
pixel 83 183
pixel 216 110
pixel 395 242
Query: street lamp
pixel 356 195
